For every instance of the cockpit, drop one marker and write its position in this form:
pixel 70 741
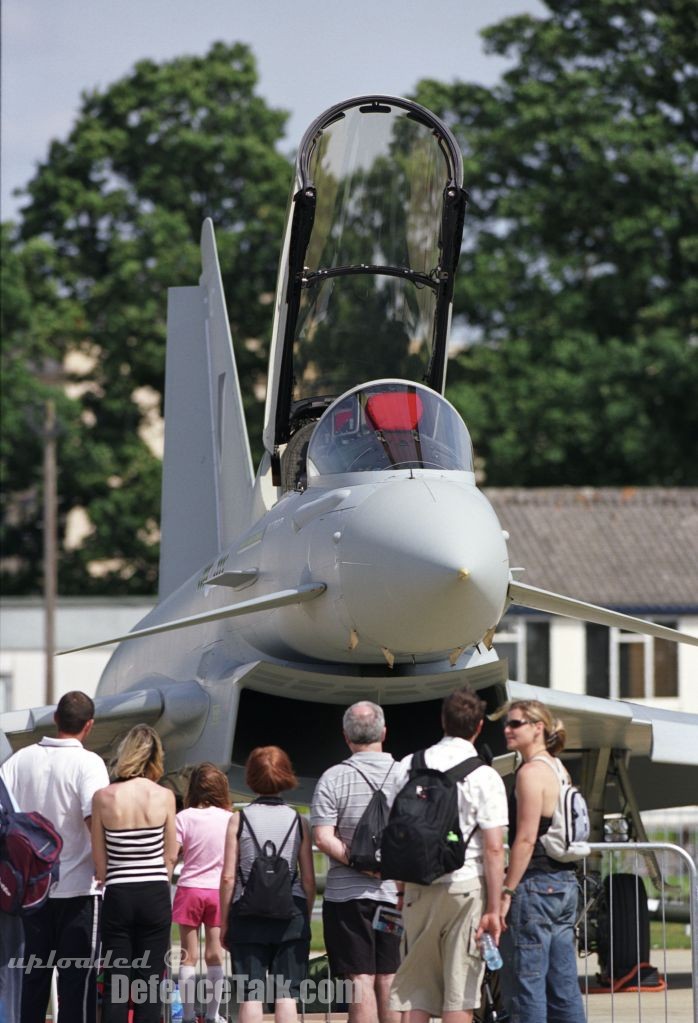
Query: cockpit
pixel 389 425
pixel 367 272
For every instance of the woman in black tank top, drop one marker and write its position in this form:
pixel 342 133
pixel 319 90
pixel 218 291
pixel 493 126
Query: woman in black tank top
pixel 540 894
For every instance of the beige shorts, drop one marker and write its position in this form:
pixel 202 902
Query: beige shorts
pixel 442 969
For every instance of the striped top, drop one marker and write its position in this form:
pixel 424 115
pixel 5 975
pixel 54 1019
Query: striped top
pixel 135 855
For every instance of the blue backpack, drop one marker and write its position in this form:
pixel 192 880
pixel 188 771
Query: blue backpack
pixel 30 849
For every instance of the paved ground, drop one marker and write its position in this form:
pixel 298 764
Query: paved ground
pixel 675 1005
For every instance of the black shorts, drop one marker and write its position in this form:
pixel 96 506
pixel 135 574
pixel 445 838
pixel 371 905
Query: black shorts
pixel 278 947
pixel 285 962
pixel 353 946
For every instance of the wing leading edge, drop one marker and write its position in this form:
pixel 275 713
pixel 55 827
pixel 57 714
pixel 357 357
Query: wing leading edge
pixel 264 603
pixel 568 607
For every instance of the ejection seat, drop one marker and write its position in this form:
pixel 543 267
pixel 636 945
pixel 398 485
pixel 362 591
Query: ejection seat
pixel 294 471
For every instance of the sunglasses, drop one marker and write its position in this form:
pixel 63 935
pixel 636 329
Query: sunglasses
pixel 515 723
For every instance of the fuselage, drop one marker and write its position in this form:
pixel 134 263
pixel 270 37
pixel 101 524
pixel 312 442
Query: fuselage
pixel 412 557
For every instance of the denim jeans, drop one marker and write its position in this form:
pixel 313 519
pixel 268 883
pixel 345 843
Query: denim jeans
pixel 11 945
pixel 542 916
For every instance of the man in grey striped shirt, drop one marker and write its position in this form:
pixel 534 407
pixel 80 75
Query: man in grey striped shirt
pixel 356 951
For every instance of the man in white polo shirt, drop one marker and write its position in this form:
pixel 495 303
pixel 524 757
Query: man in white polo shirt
pixel 58 777
pixel 441 974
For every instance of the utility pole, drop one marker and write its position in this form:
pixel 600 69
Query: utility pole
pixel 50 566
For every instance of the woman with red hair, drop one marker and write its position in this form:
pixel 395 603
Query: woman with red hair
pixel 261 944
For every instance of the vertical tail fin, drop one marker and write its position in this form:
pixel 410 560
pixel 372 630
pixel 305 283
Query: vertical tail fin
pixel 207 478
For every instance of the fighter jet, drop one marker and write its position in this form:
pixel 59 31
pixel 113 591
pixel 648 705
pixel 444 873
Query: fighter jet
pixel 362 560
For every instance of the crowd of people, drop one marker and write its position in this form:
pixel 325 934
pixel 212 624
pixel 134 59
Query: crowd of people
pixel 248 878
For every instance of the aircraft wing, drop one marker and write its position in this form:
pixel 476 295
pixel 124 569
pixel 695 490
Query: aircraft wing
pixel 114 715
pixel 196 720
pixel 555 603
pixel 203 720
pixel 297 595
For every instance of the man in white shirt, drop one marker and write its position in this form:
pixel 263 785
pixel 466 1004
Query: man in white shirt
pixel 58 777
pixel 441 974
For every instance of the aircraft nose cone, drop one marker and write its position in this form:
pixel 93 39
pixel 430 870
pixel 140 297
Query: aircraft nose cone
pixel 423 566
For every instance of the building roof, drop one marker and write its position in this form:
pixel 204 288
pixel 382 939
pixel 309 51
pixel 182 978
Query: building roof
pixel 626 547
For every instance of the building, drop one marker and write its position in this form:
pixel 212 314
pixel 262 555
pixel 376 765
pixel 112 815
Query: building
pixel 633 549
pixel 79 620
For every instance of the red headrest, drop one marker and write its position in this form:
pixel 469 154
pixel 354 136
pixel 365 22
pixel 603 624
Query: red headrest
pixel 394 410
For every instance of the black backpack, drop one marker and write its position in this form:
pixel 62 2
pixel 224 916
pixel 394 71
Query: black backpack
pixel 267 891
pixel 423 840
pixel 365 852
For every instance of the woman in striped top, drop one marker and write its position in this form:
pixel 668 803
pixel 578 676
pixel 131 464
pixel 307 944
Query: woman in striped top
pixel 134 848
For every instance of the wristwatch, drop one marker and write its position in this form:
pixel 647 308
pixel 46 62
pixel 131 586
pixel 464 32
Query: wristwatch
pixel 508 891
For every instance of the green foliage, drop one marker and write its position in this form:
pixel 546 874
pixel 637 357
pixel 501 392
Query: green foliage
pixel 578 276
pixel 113 219
pixel 577 283
pixel 669 936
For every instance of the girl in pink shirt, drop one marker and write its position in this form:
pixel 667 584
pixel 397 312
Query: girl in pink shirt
pixel 201 829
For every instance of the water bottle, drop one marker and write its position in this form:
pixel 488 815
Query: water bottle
pixel 489 952
pixel 176 1007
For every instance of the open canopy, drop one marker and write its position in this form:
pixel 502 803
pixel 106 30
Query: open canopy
pixel 373 236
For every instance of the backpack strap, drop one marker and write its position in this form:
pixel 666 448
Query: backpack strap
pixel 296 823
pixel 5 801
pixel 6 809
pixel 258 848
pixel 557 768
pixel 245 820
pixel 461 771
pixel 457 773
pixel 373 788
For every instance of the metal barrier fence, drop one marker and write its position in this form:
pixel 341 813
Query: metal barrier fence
pixel 615 926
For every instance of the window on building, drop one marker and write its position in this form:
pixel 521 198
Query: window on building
pixel 538 653
pixel 639 667
pixel 525 643
pixel 5 691
pixel 597 660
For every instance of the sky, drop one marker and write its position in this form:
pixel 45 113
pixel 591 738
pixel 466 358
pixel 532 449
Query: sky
pixel 309 56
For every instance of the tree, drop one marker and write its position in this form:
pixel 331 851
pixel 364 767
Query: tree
pixel 113 219
pixel 578 276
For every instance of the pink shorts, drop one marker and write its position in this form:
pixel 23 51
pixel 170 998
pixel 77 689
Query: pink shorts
pixel 197 906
